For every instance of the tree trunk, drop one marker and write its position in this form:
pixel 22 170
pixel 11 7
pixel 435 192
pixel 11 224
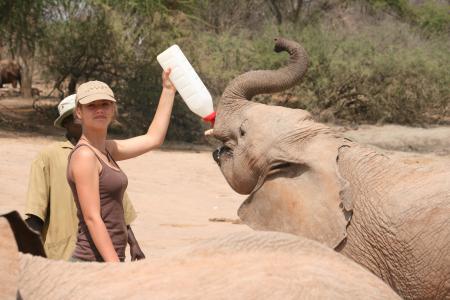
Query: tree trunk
pixel 26 64
pixel 296 9
pixel 276 11
pixel 72 85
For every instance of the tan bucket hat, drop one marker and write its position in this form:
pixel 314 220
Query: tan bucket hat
pixel 94 90
pixel 65 109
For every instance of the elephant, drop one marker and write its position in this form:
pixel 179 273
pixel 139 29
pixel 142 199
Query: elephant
pixel 243 265
pixel 304 178
pixel 9 72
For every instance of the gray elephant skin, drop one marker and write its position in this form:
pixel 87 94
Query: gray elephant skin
pixel 303 178
pixel 245 265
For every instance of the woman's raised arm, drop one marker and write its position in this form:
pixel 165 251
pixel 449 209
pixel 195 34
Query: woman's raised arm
pixel 129 148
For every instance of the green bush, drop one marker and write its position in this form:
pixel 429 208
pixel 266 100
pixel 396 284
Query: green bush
pixel 401 7
pixel 433 17
pixel 367 77
pixel 382 73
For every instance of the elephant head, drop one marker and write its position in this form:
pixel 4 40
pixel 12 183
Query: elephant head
pixel 284 160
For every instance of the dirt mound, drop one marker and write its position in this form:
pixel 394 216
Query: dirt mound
pixel 402 138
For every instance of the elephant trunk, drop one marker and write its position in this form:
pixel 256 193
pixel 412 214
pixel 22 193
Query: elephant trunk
pixel 253 83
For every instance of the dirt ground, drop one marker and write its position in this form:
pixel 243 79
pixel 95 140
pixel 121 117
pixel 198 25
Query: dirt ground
pixel 178 192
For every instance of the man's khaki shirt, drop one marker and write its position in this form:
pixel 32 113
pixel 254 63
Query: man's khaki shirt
pixel 49 197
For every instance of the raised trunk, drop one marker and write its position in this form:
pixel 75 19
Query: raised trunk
pixel 253 83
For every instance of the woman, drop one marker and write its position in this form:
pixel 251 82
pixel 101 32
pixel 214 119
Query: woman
pixel 96 180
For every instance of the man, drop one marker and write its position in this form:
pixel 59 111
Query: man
pixel 50 206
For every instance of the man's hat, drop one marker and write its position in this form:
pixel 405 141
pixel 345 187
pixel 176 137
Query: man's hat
pixel 65 108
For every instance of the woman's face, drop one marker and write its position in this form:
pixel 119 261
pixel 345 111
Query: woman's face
pixel 96 114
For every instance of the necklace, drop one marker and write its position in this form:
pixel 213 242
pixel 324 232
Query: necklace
pixel 105 153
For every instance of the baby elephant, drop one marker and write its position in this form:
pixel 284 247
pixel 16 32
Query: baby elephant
pixel 245 265
pixel 304 178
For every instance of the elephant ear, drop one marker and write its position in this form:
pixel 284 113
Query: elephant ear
pixel 306 198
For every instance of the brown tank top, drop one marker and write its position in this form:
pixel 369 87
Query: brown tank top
pixel 112 185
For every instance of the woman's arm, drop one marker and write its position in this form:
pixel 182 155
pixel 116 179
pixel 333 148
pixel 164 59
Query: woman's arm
pixel 85 169
pixel 125 149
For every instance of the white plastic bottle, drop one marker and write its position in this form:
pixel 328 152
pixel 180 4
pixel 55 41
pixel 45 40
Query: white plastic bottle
pixel 187 82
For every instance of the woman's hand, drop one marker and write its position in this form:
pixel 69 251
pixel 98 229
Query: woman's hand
pixel 166 83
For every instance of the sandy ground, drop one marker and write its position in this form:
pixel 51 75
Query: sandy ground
pixel 176 193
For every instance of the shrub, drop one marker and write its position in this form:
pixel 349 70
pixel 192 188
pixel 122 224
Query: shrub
pixel 433 17
pixel 382 73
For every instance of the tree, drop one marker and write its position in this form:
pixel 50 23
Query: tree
pixel 79 44
pixel 285 10
pixel 20 29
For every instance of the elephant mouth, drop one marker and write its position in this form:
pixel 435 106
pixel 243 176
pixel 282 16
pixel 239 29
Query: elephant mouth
pixel 221 152
pixel 278 169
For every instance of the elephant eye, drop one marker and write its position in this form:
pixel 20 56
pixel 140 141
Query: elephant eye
pixel 241 131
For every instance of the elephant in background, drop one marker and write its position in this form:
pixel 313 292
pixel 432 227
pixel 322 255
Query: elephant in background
pixel 9 72
pixel 304 178
pixel 245 265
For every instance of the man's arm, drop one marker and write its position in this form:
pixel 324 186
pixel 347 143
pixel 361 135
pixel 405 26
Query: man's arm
pixel 35 223
pixel 130 215
pixel 38 194
pixel 135 251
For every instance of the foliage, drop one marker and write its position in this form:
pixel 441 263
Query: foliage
pixel 144 34
pixel 430 15
pixel 20 29
pixel 370 60
pixel 433 17
pixel 367 77
pixel 80 47
pixel 401 7
pixel 20 22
